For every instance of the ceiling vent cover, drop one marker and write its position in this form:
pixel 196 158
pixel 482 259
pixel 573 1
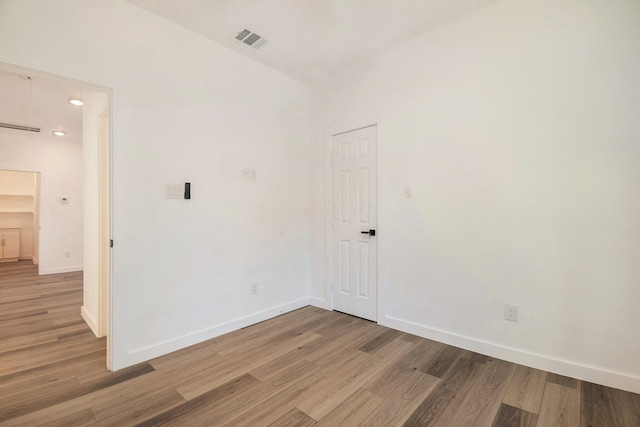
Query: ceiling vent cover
pixel 19 127
pixel 251 39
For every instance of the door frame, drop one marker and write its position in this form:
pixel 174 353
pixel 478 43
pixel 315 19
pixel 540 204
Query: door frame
pixel 328 213
pixel 12 68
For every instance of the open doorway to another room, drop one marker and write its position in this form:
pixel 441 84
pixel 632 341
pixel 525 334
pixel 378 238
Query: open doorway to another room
pixel 19 216
pixel 58 130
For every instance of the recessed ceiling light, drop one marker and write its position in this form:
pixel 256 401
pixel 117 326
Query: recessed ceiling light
pixel 77 102
pixel 58 133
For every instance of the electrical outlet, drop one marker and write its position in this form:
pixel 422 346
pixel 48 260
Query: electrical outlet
pixel 511 312
pixel 67 254
pixel 254 288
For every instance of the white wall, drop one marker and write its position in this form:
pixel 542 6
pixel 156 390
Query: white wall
pixel 60 164
pixel 184 110
pixel 517 130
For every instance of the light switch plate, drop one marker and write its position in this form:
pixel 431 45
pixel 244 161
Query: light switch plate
pixel 174 191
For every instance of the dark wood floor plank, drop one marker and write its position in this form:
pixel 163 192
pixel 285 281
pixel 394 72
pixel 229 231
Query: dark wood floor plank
pixel 598 408
pixel 434 406
pixel 626 407
pixel 482 401
pixel 562 380
pixel 444 361
pixel 508 416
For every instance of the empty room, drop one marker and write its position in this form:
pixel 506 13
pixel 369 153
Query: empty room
pixel 323 212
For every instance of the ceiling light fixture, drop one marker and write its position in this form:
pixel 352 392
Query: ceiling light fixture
pixel 58 133
pixel 76 102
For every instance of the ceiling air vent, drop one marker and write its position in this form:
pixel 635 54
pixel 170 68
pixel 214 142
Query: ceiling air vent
pixel 19 127
pixel 251 39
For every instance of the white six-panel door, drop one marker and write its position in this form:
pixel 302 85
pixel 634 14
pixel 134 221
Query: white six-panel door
pixel 354 213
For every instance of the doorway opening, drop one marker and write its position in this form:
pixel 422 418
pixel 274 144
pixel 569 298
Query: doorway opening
pixel 19 216
pixel 63 133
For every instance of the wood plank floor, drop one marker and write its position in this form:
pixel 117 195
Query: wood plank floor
pixel 310 367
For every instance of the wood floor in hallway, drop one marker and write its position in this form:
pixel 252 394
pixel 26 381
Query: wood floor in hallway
pixel 310 367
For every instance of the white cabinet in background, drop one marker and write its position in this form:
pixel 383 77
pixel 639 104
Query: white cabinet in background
pixel 9 244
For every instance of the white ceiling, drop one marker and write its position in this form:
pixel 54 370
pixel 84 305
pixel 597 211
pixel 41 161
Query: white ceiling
pixel 40 102
pixel 308 40
pixel 312 39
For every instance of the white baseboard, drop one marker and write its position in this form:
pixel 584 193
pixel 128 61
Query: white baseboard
pixel 62 269
pixel 147 353
pixel 90 320
pixel 320 303
pixel 539 361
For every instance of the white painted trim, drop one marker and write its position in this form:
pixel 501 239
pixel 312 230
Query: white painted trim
pixel 567 368
pixel 320 303
pixel 61 269
pixel 12 68
pixel 150 352
pixel 90 320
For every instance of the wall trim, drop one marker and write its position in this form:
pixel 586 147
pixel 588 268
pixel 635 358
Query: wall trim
pixel 62 269
pixel 320 303
pixel 168 346
pixel 90 320
pixel 567 368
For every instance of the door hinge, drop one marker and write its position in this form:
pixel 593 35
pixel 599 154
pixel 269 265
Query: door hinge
pixel 111 243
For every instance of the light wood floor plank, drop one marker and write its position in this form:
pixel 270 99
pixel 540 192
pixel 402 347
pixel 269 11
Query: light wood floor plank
pixel 355 409
pixel 398 406
pixel 526 388
pixel 323 402
pixel 294 418
pixel 560 406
